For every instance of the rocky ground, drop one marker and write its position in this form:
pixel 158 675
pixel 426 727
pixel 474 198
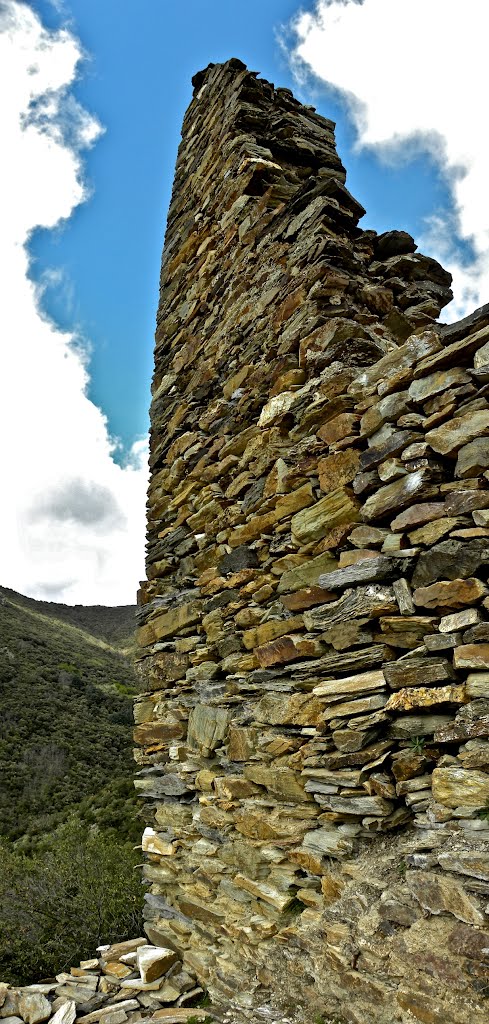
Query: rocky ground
pixel 126 982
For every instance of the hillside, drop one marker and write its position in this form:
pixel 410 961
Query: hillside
pixel 65 717
pixel 114 625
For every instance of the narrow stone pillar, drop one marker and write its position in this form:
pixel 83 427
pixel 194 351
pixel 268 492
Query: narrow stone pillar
pixel 313 627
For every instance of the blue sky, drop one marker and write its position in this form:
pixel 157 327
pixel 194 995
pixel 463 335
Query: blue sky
pixel 93 95
pixel 143 54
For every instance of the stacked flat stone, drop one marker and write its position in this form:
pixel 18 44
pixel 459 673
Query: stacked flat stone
pixel 126 983
pixel 314 633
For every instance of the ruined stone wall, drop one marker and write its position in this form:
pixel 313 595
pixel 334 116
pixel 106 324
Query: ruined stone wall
pixel 313 725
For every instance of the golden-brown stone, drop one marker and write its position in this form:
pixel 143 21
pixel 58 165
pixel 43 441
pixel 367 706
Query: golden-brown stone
pixel 270 631
pixel 306 598
pixel 337 469
pixel 289 709
pixel 288 648
pixel 472 656
pixel 335 509
pixel 450 594
pixel 423 697
pixel 280 781
pixel 457 787
pixel 170 622
pixel 439 894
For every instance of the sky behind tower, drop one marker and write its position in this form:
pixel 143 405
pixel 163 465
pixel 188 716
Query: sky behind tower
pixel 93 95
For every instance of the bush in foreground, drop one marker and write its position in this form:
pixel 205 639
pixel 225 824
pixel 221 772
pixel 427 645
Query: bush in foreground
pixel 79 890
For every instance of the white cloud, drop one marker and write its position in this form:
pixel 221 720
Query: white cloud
pixel 71 519
pixel 414 73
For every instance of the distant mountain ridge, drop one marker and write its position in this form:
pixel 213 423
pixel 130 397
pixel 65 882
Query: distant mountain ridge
pixel 115 625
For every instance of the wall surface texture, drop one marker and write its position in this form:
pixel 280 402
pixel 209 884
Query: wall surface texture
pixel 313 726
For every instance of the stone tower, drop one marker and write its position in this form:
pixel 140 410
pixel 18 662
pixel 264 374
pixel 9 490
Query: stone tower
pixel 313 725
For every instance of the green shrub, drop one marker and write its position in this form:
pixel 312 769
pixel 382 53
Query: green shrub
pixel 483 812
pixel 77 890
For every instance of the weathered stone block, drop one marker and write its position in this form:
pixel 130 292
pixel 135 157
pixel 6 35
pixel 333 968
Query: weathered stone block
pixel 270 631
pixel 289 709
pixel 451 436
pixel 170 622
pixel 474 863
pixel 472 656
pixel 338 469
pixel 158 732
pixel 207 726
pixel 394 497
pixel 459 787
pixel 473 458
pixel 371 601
pixel 452 594
pixel 423 697
pixel 367 570
pixel 280 781
pixel 306 574
pixel 335 509
pixel 288 648
pixel 361 683
pixel 438 895
pixel 417 672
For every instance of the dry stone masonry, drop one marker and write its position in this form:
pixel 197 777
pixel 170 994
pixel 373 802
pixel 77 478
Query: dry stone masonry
pixel 125 983
pixel 313 727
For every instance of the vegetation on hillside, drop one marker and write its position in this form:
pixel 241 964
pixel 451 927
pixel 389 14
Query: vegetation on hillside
pixel 80 889
pixel 68 810
pixel 65 728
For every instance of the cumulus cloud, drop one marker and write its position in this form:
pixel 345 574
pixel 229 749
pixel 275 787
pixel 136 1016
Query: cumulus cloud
pixel 413 76
pixel 71 518
pixel 81 502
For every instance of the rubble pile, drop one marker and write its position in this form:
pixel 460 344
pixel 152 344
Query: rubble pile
pixel 126 983
pixel 313 727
